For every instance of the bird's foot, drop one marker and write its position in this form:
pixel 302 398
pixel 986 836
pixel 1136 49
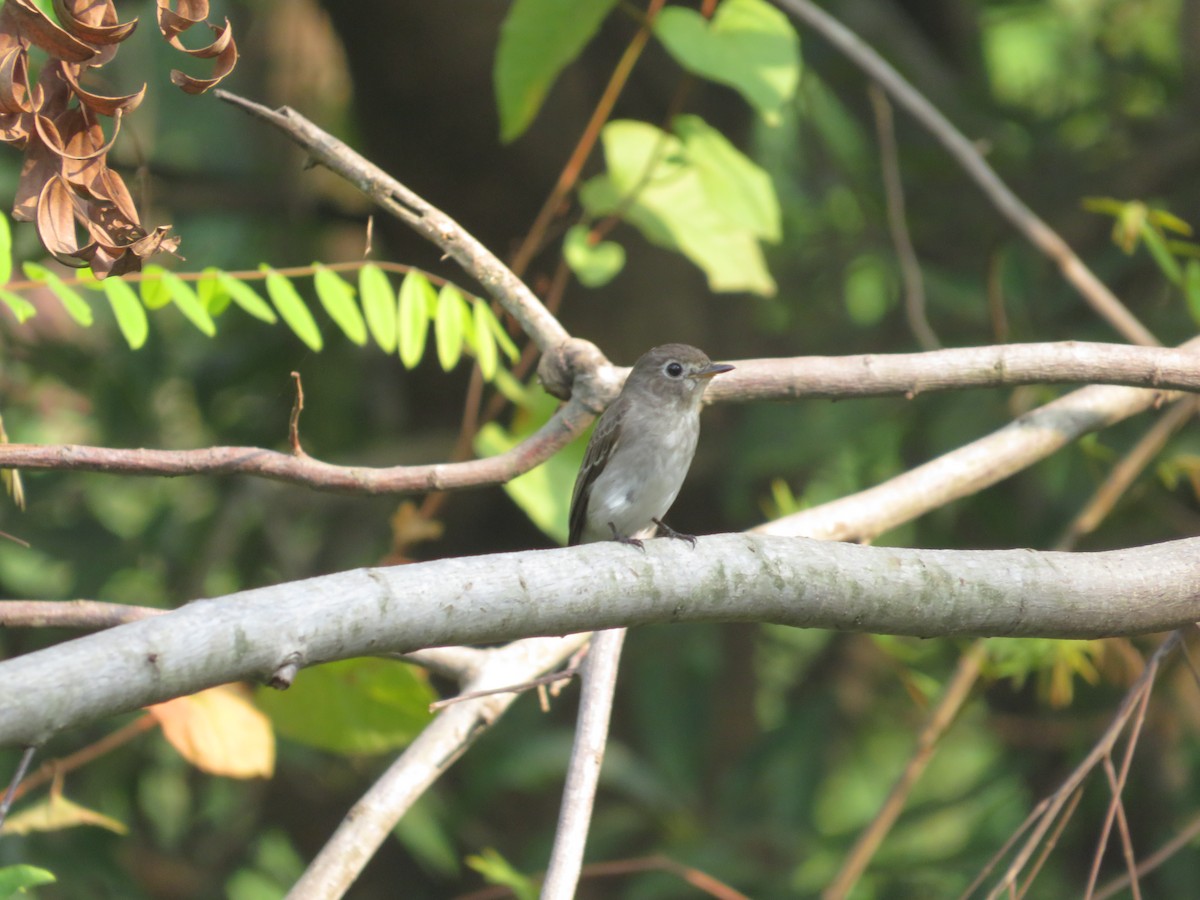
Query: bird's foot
pixel 670 532
pixel 621 539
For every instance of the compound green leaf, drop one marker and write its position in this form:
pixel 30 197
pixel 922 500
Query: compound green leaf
pixel 293 310
pixel 449 326
pixel 247 298
pixel 71 300
pixel 379 306
pixel 6 265
pixel 417 298
pixel 749 46
pixel 537 40
pixel 484 343
pixel 189 304
pixel 154 293
pixel 21 308
pixel 128 311
pixel 337 296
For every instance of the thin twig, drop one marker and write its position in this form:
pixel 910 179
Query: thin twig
pixel 57 768
pixel 542 680
pixel 1037 232
pixel 1181 840
pixel 587 756
pixel 416 212
pixel 11 793
pixel 294 418
pixel 1045 812
pixel 893 191
pixel 955 694
pixel 1049 844
pixel 88 615
pixel 1125 473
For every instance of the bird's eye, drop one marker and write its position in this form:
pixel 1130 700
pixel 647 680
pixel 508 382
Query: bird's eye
pixel 674 369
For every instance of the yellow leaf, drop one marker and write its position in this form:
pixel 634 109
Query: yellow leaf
pixel 56 813
pixel 219 731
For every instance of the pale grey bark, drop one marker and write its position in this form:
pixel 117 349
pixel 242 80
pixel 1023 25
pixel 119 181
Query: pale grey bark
pixel 791 581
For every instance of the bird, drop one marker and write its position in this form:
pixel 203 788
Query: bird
pixel 642 448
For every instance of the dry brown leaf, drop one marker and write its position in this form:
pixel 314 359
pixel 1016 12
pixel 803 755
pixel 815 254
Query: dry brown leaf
pixel 219 731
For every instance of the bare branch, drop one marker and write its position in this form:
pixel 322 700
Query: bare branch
pixel 1025 220
pixel 486 599
pixel 583 772
pixel 89 615
pixel 972 467
pixel 871 375
pixel 420 215
pixel 434 750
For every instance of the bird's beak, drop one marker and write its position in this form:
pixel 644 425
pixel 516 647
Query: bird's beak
pixel 713 369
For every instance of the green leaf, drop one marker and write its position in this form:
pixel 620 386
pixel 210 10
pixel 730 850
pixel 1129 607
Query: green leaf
pixel 128 311
pixel 1158 249
pixel 653 184
pixel 6 263
pixel 749 46
pixel 292 309
pixel 1191 288
pixel 594 264
pixel 542 493
pixel 352 706
pixel 189 304
pixel 416 299
pixel 154 293
pixel 379 306
pixel 21 308
pixel 537 39
pixel 499 332
pixel 484 343
pixel 337 296
pixel 737 188
pixel 71 300
pixel 246 298
pixel 495 869
pixel 449 325
pixel 15 879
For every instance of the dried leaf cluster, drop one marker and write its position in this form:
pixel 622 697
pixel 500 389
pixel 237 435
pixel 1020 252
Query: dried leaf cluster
pixel 66 186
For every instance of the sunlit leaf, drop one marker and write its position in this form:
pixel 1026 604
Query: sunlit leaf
pixel 55 813
pixel 495 869
pixel 247 298
pixel 1162 256
pixel 749 45
pixel 594 264
pixel 292 309
pixel 500 333
pixel 128 311
pixel 71 300
pixel 220 732
pixel 653 184
pixel 484 341
pixel 15 879
pixel 448 326
pixel 1191 288
pixel 6 263
pixel 537 39
pixel 21 308
pixel 379 306
pixel 189 304
pixel 337 296
pixel 154 293
pixel 417 297
pixel 212 295
pixel 352 706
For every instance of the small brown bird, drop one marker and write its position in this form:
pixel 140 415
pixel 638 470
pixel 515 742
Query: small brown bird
pixel 642 448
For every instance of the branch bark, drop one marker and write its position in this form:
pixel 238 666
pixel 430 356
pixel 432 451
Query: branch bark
pixel 484 599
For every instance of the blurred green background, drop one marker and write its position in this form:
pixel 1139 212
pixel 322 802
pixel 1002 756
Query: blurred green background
pixel 753 753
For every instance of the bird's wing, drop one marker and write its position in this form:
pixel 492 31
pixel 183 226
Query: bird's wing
pixel 599 450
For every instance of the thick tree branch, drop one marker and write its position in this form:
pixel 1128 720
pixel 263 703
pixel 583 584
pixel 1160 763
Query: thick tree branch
pixel 420 215
pixel 1024 219
pixel 870 375
pixel 809 584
